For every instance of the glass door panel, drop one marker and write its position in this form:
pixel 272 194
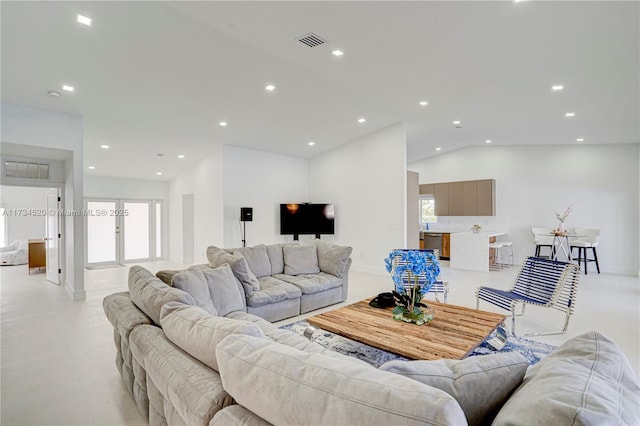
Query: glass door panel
pixel 136 230
pixel 102 232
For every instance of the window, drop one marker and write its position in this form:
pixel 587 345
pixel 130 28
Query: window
pixel 427 210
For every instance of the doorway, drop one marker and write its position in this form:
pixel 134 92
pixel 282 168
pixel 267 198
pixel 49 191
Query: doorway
pixel 120 231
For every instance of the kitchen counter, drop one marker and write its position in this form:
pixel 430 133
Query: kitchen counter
pixel 470 251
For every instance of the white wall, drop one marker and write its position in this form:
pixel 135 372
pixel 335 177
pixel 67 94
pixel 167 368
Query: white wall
pixel 367 181
pixel 534 182
pixel 125 189
pixel 204 181
pixel 34 127
pixel 262 181
pixel 24 227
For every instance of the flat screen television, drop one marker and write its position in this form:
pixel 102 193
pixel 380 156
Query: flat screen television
pixel 307 218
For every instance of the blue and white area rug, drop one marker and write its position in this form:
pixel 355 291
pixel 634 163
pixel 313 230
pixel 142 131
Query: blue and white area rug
pixel 533 351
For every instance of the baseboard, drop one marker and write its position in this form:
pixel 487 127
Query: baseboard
pixel 73 293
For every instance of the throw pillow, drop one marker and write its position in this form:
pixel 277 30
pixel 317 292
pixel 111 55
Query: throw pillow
pixel 300 259
pixel 149 294
pixel 239 266
pixel 276 257
pixel 257 259
pixel 480 384
pixel 217 290
pixel 588 380
pixel 198 333
pixel 332 259
pixel 317 389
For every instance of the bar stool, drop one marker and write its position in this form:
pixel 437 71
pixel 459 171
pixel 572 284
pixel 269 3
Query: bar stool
pixel 497 247
pixel 501 254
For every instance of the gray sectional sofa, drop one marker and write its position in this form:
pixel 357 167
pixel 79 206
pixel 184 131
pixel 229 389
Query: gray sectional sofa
pixel 197 357
pixel 284 280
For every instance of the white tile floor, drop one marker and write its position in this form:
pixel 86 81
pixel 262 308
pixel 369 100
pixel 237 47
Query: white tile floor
pixel 57 356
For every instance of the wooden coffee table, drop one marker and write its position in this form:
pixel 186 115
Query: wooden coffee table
pixel 454 332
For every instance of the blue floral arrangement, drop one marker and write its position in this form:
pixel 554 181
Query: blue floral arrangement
pixel 413 272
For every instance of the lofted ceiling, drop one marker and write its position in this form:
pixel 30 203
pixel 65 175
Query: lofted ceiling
pixel 158 77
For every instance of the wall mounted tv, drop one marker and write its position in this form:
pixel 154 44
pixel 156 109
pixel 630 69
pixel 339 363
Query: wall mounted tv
pixel 307 218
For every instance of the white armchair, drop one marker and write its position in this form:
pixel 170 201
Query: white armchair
pixel 15 254
pixel 542 238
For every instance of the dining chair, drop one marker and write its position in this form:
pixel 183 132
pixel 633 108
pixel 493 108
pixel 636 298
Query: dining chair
pixel 588 238
pixel 540 282
pixel 542 238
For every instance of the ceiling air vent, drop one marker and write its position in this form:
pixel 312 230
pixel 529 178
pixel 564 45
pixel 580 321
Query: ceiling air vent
pixel 26 170
pixel 311 40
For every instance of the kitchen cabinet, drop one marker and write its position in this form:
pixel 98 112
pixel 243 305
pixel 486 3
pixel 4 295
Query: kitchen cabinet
pixel 455 199
pixel 446 245
pixel 468 198
pixel 427 189
pixel 441 199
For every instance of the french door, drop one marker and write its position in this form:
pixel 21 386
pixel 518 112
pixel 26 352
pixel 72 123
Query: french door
pixel 119 231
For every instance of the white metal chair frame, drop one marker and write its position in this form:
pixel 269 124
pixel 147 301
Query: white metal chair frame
pixel 540 282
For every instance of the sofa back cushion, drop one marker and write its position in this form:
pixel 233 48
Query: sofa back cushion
pixel 586 381
pixel 469 380
pixel 149 293
pixel 239 266
pixel 216 290
pixel 300 259
pixel 315 389
pixel 332 259
pixel 198 333
pixel 257 259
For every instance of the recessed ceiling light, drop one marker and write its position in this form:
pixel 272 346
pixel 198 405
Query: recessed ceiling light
pixel 557 87
pixel 580 140
pixel 337 52
pixel 104 146
pixel 53 94
pixel 438 149
pixel 181 156
pixel 270 87
pixel 67 88
pixel 311 143
pixel 92 167
pixel 84 20
pixel 517 1
pixel 361 120
pixel 488 141
pixel 222 123
pixel 424 103
pixel 570 114
pixel 159 173
pixel 456 122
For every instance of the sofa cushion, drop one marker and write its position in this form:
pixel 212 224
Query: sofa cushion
pixel 300 260
pixel 257 259
pixel 216 290
pixel 239 266
pixel 586 381
pixel 237 415
pixel 316 389
pixel 276 256
pixel 198 333
pixel 149 293
pixel 480 384
pixel 332 259
pixel 167 275
pixel 312 283
pixel 273 290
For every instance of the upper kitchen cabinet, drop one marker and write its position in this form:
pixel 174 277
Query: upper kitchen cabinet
pixel 486 197
pixel 441 199
pixel 468 198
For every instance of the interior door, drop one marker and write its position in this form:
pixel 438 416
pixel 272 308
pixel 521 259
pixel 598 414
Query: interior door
pixel 136 230
pixel 53 236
